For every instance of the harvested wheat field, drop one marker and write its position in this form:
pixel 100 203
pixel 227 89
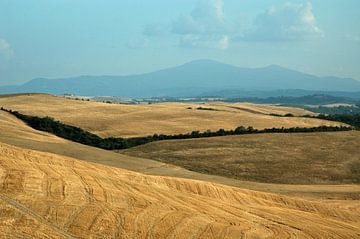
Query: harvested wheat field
pixel 265 109
pixel 120 120
pixel 48 196
pixel 301 158
pixel 15 132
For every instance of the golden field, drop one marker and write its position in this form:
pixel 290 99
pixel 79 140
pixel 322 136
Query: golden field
pixel 44 195
pixel 54 188
pixel 16 133
pixel 300 158
pixel 119 120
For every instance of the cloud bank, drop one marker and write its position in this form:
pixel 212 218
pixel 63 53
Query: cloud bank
pixel 290 22
pixel 207 26
pixel 4 45
pixel 6 52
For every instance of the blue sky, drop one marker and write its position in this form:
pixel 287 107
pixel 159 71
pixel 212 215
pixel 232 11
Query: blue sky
pixel 60 38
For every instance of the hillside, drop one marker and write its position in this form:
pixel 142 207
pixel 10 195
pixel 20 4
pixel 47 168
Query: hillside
pixel 15 132
pixel 314 99
pixel 45 195
pixel 195 78
pixel 119 120
pixel 312 158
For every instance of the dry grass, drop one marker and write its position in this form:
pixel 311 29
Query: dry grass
pixel 15 132
pixel 49 196
pixel 166 118
pixel 310 158
pixel 261 108
pixel 44 195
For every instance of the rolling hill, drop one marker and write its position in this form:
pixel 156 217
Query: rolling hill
pixel 311 158
pixel 15 132
pixel 201 77
pixel 118 120
pixel 54 188
pixel 44 195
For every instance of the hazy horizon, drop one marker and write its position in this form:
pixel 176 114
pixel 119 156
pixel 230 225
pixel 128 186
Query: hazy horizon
pixel 40 38
pixel 170 67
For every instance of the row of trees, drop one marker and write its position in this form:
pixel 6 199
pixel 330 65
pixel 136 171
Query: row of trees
pixel 79 135
pixel 350 119
pixel 338 110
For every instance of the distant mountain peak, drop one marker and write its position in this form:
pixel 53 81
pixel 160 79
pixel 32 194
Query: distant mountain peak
pixel 203 62
pixel 274 66
pixel 190 79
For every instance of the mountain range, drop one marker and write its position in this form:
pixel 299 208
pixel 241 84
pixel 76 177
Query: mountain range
pixel 196 78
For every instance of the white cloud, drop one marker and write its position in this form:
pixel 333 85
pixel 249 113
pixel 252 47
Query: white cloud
pixel 186 24
pixel 4 45
pixel 203 27
pixel 6 52
pixel 206 18
pixel 190 41
pixel 285 23
pixel 208 12
pixel 224 43
pixel 198 41
pixel 207 26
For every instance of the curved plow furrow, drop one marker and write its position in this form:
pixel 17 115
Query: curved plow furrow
pixel 49 196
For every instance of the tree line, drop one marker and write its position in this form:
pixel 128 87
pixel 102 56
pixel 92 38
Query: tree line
pixel 79 135
pixel 350 119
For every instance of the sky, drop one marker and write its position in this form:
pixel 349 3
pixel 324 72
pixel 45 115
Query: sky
pixel 62 38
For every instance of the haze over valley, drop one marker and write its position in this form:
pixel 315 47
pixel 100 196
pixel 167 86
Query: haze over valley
pixel 193 79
